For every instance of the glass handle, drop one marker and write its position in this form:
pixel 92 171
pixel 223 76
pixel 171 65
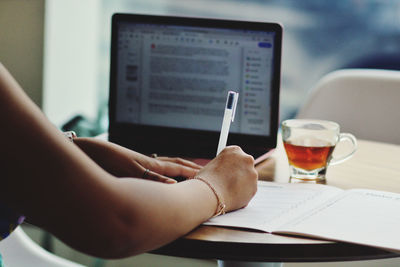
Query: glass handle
pixel 353 141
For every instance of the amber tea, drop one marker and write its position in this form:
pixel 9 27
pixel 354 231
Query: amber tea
pixel 309 146
pixel 308 157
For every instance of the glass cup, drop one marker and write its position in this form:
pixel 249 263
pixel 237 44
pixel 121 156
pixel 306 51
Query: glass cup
pixel 309 145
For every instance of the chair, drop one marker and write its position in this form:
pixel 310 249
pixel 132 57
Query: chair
pixel 365 102
pixel 18 250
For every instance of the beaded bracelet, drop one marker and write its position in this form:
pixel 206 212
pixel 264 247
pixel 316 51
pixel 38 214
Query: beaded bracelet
pixel 221 206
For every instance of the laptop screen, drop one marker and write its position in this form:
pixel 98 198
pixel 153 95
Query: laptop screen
pixel 174 73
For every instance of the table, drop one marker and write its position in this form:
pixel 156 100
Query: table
pixel 375 166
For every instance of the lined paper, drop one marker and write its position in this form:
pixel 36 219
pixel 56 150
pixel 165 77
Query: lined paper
pixel 276 204
pixel 359 216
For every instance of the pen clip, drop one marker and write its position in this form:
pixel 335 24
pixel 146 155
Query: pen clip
pixel 234 104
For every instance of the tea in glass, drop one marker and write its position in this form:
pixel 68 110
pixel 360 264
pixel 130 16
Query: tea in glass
pixel 309 145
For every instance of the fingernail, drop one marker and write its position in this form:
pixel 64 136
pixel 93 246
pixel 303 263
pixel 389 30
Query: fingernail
pixel 171 181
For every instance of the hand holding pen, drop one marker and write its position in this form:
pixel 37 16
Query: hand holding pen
pixel 235 184
pixel 229 116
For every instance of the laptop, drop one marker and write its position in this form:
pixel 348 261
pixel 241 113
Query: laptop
pixel 170 76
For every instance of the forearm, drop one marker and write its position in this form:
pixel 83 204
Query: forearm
pixel 166 212
pixel 131 216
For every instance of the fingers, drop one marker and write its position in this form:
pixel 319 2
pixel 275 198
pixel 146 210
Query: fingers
pixel 245 158
pixel 181 161
pixel 233 174
pixel 174 167
pixel 176 170
pixel 150 175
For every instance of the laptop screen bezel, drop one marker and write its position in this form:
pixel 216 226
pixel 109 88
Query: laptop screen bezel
pixel 189 142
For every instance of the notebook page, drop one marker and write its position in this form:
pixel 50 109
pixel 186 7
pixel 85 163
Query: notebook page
pixel 358 216
pixel 275 204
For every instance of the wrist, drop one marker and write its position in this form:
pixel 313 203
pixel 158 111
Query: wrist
pixel 221 207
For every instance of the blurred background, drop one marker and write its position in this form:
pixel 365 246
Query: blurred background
pixel 59 52
pixel 65 45
pixel 319 37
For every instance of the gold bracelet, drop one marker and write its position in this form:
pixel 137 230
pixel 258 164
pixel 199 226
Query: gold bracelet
pixel 221 206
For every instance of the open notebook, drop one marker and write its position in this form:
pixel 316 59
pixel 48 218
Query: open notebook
pixel 359 216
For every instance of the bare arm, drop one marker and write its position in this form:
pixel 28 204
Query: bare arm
pixel 60 189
